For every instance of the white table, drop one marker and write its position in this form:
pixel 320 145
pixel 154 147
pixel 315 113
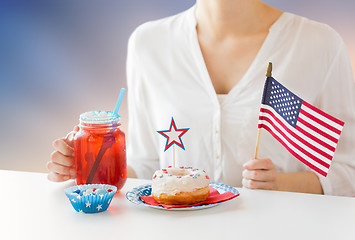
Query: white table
pixel 31 207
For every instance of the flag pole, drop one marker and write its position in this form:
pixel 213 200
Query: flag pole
pixel 268 74
pixel 269 70
pixel 257 144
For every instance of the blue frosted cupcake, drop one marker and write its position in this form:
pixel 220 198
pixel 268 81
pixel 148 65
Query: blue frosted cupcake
pixel 91 198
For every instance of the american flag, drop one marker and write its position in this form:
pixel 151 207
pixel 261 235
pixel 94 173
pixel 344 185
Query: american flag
pixel 308 133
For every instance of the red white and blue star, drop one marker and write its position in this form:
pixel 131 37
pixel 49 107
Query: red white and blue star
pixel 173 135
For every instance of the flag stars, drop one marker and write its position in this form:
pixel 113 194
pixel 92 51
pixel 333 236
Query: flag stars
pixel 284 102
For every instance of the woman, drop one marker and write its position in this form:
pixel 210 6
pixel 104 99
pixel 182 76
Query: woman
pixel 205 67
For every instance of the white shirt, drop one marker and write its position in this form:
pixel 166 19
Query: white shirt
pixel 167 77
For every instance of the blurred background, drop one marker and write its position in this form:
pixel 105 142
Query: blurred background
pixel 61 58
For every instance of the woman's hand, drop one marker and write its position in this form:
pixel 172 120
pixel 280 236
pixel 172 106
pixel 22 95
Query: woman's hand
pixel 61 165
pixel 259 174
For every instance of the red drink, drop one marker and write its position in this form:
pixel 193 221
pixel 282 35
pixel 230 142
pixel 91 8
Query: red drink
pixel 100 150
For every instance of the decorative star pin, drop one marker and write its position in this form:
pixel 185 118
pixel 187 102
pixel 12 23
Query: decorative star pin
pixel 173 135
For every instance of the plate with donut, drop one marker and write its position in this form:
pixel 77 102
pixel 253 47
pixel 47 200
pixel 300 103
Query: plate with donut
pixel 218 193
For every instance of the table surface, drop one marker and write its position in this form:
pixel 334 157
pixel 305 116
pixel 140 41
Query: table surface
pixel 34 208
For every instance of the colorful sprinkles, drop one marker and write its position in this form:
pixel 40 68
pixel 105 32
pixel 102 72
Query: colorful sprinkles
pixel 193 175
pixel 90 192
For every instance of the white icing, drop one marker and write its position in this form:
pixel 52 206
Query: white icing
pixel 191 179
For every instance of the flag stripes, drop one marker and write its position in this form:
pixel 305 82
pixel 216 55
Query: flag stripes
pixel 318 132
pixel 270 116
pixel 289 148
pixel 268 112
pixel 319 121
pixel 324 116
pixel 320 140
pixel 315 154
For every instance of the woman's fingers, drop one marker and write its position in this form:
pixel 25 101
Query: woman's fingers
pixel 254 164
pixel 62 165
pixel 251 184
pixel 63 147
pixel 69 139
pixel 55 177
pixel 60 158
pixel 60 169
pixel 259 175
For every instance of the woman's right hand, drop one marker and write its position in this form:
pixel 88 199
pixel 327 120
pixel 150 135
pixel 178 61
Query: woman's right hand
pixel 61 165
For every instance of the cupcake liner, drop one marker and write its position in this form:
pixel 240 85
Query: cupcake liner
pixel 84 200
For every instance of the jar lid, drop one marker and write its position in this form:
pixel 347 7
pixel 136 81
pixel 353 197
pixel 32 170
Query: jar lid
pixel 99 117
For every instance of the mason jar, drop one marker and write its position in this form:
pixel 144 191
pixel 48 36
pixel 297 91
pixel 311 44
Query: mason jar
pixel 100 150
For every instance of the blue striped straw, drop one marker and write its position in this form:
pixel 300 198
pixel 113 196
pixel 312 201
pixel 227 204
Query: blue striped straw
pixel 119 101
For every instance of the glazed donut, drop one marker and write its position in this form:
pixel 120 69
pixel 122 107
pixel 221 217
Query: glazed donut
pixel 180 186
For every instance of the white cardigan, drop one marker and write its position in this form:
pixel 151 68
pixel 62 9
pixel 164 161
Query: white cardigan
pixel 167 77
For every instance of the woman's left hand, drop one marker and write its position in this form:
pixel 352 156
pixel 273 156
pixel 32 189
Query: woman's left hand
pixel 259 174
